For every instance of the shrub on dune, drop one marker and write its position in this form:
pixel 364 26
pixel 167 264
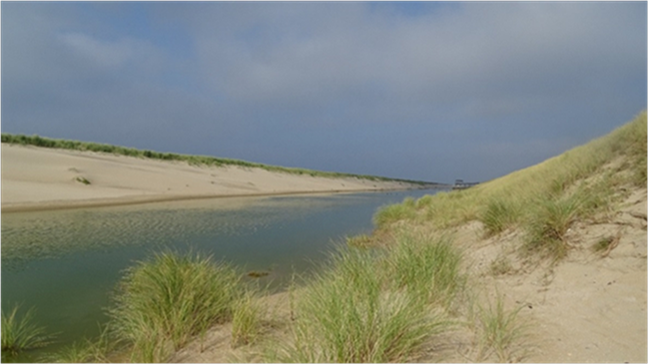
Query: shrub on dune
pixel 162 303
pixel 346 315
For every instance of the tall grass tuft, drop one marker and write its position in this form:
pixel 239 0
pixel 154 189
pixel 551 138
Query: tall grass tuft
pixel 360 241
pixel 500 330
pixel 549 224
pixel 638 150
pixel 499 215
pixel 162 303
pixel 86 351
pixel 246 320
pixel 20 333
pixel 492 202
pixel 428 267
pixel 390 214
pixel 345 315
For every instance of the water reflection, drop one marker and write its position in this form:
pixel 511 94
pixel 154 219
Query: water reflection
pixel 66 263
pixel 46 235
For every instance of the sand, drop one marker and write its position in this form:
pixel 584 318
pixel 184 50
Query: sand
pixel 36 178
pixel 591 307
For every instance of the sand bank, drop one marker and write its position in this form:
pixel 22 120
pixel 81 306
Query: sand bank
pixel 589 308
pixel 41 179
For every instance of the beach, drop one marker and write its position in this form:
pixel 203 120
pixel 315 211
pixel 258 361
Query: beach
pixel 36 178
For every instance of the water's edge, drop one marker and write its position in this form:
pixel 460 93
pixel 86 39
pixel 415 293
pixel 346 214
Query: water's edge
pixel 66 263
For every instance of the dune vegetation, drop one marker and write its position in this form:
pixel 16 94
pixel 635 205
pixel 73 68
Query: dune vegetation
pixel 20 333
pixel 388 296
pixel 162 303
pixel 543 200
pixel 367 307
pixel 199 160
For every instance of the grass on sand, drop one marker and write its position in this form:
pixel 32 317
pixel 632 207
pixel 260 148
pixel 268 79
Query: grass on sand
pixel 19 333
pixel 354 312
pixel 39 141
pixel 544 200
pixel 163 303
pixel 387 302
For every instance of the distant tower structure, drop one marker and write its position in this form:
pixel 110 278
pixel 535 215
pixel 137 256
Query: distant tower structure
pixel 460 184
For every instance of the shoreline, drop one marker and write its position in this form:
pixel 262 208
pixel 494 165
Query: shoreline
pixel 151 199
pixel 45 179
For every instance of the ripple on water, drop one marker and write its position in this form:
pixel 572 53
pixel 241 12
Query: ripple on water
pixel 44 235
pixel 66 263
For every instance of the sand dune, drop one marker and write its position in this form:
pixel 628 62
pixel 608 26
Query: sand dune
pixel 36 178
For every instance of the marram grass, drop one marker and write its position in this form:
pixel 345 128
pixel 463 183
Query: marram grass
pixel 543 200
pixel 19 333
pixel 546 231
pixel 161 304
pixel 501 331
pixel 86 351
pixel 500 214
pixel 426 266
pixel 191 159
pixel 246 320
pixel 351 313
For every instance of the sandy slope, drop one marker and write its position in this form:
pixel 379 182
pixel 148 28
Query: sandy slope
pixel 591 307
pixel 40 178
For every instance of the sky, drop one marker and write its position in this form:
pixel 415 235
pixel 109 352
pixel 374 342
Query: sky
pixel 432 91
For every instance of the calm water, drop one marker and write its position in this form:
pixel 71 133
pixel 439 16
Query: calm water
pixel 66 263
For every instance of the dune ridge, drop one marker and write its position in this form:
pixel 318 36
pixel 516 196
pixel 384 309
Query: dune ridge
pixel 36 178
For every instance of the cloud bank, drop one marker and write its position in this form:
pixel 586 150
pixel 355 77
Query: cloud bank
pixel 431 91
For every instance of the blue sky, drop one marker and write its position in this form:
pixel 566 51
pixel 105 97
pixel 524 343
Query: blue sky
pixel 428 90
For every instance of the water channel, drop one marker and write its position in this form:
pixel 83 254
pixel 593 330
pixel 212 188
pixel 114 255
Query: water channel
pixel 66 263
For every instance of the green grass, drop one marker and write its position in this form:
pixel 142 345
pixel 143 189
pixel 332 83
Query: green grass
pixel 428 267
pixel 346 314
pixel 19 333
pixel 368 300
pixel 392 213
pixel 161 304
pixel 499 215
pixel 246 320
pixel 630 140
pixel 83 180
pixel 86 351
pixel 501 331
pixel 543 200
pixel 602 244
pixel 38 141
pixel 360 241
pixel 372 304
pixel 78 352
pixel 552 218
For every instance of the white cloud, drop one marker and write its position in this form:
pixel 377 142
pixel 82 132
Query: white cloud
pixel 485 50
pixel 136 57
pixel 101 53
